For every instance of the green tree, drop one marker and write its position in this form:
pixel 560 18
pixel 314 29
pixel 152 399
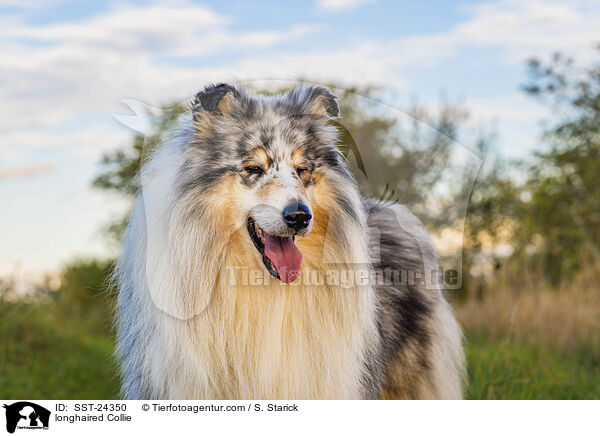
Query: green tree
pixel 563 192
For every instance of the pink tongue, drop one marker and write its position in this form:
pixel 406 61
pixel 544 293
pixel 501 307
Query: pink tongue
pixel 284 255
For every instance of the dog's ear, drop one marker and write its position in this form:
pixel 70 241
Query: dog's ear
pixel 321 102
pixel 217 99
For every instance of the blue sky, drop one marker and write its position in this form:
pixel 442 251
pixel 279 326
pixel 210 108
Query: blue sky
pixel 66 66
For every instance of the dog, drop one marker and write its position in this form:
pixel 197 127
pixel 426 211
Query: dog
pixel 255 186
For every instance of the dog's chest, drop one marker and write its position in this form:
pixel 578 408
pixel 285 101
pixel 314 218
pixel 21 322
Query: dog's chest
pixel 276 342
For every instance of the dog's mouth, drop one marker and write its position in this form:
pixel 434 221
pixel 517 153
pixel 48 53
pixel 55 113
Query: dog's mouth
pixel 279 253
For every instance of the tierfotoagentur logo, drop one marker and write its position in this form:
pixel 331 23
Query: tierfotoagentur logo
pixel 26 415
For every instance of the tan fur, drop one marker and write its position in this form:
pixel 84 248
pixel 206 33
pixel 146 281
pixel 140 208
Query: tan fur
pixel 299 161
pixel 204 121
pixel 319 106
pixel 276 341
pixel 202 127
pixel 260 158
pixel 225 106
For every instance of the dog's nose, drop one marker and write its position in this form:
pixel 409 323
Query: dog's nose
pixel 297 216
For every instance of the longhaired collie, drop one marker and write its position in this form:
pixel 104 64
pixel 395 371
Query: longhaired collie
pixel 253 269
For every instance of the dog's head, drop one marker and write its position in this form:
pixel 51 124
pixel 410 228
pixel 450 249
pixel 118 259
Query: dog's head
pixel 272 153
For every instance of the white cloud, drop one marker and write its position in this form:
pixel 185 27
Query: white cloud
pixel 31 4
pixel 340 5
pixel 365 63
pixel 523 27
pixel 512 107
pixel 128 28
pixel 26 171
pixel 517 28
pixel 85 68
pixel 86 141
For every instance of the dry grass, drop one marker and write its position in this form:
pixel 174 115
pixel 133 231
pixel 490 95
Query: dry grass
pixel 565 318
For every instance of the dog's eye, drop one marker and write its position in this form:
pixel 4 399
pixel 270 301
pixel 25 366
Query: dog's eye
pixel 301 170
pixel 253 169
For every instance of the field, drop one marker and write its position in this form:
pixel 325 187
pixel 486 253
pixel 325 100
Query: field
pixel 528 340
pixel 542 345
pixel 46 354
pixel 520 370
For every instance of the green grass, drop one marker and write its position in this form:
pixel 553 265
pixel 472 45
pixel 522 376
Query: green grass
pixel 46 354
pixel 520 370
pixel 49 354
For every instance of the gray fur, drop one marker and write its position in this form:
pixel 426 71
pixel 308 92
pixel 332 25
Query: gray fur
pixel 406 306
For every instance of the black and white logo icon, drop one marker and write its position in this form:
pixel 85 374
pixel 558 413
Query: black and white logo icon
pixel 26 415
